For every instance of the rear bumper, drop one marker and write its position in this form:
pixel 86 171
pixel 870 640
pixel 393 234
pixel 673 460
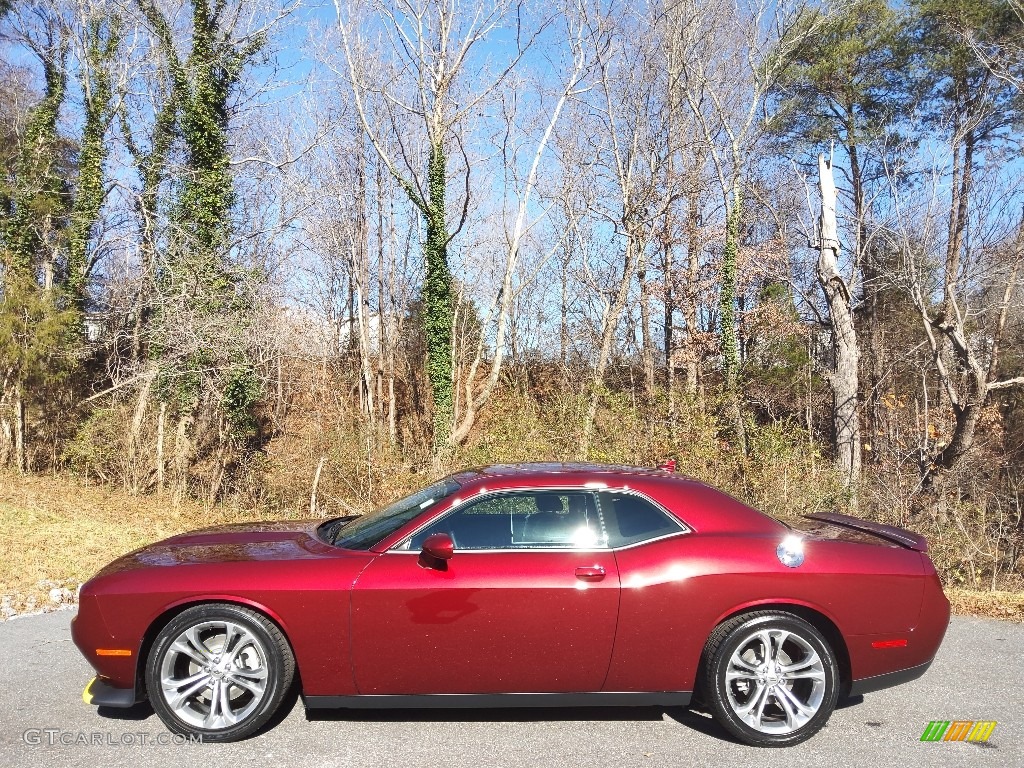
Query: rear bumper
pixel 101 693
pixel 888 680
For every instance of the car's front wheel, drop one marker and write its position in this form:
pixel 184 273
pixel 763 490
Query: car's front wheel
pixel 218 671
pixel 770 678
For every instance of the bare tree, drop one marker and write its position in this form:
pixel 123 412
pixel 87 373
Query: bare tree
pixel 632 157
pixel 964 297
pixel 521 224
pixel 427 87
pixel 734 53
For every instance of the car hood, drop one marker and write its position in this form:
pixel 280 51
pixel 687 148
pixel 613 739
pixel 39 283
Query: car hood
pixel 284 540
pixel 246 533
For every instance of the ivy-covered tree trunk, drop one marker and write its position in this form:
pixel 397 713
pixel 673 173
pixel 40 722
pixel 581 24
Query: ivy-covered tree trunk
pixel 151 160
pixel 36 335
pixel 198 331
pixel 151 164
pixel 437 302
pixel 37 200
pixel 691 299
pixel 103 41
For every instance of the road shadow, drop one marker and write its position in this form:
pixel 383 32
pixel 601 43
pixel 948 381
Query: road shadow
pixel 138 713
pixel 144 710
pixel 849 701
pixel 689 717
pixel 694 717
pixel 479 715
pixel 699 720
pixel 512 715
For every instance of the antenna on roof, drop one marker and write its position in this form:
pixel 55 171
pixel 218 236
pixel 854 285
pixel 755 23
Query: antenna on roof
pixel 668 466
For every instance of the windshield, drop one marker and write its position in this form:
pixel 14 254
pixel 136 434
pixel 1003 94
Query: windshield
pixel 365 531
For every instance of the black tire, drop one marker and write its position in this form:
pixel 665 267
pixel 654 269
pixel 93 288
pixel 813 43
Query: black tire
pixel 228 675
pixel 739 671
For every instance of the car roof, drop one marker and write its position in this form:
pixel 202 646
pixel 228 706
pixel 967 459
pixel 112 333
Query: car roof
pixel 701 506
pixel 565 467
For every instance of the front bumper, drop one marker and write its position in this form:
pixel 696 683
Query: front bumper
pixel 100 693
pixel 90 634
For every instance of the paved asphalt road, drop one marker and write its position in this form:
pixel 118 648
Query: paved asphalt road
pixel 979 675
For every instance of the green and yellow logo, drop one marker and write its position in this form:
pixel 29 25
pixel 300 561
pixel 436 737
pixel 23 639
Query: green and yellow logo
pixel 958 730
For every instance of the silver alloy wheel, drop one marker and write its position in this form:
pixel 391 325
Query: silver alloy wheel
pixel 214 674
pixel 775 681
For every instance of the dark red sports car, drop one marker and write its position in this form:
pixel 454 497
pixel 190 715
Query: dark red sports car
pixel 525 585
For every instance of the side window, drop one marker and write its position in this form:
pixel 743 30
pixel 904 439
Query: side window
pixel 559 519
pixel 631 519
pixel 539 520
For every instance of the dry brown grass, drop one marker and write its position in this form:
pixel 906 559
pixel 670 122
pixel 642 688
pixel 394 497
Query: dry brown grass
pixel 993 605
pixel 57 532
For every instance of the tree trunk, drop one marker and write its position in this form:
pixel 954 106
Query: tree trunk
pixel 392 414
pixel 437 305
pixel 563 328
pixel 134 441
pixel 669 320
pixel 692 275
pixel 220 469
pixel 844 376
pixel 360 273
pixel 874 312
pixel 866 258
pixel 727 297
pixel 160 425
pixel 6 439
pixel 727 317
pixel 20 458
pixel 959 204
pixel 313 506
pixel 647 348
pixel 182 456
pixel 609 325
pixel 365 354
pixel 279 401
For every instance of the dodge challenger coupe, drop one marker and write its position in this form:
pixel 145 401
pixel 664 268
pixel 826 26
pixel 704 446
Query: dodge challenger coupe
pixel 521 585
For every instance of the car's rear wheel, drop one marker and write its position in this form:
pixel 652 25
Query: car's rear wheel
pixel 218 671
pixel 770 678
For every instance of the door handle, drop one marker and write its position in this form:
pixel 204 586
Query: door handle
pixel 590 572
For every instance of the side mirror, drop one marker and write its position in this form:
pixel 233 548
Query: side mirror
pixel 439 545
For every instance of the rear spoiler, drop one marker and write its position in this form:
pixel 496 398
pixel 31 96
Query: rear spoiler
pixel 900 536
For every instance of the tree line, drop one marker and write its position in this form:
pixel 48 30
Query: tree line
pixel 246 244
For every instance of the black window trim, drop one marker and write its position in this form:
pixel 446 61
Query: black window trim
pixel 593 490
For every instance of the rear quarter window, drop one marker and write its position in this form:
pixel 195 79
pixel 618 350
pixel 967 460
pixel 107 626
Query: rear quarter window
pixel 631 519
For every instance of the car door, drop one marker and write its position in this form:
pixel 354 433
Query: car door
pixel 655 555
pixel 527 604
